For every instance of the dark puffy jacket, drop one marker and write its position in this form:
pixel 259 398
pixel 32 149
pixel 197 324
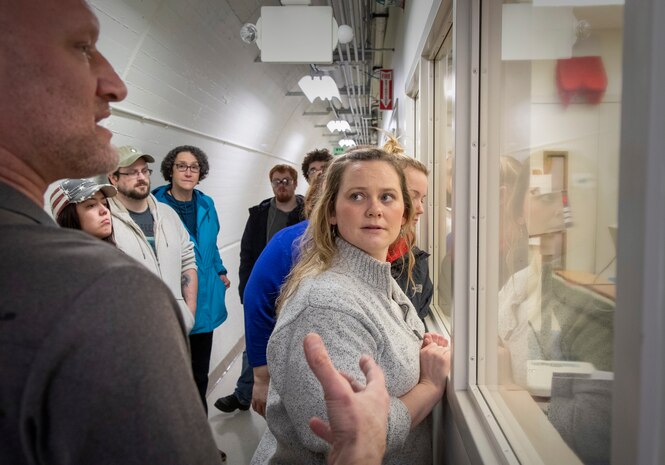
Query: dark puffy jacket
pixel 421 294
pixel 254 238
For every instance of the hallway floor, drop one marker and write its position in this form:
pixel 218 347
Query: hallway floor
pixel 236 433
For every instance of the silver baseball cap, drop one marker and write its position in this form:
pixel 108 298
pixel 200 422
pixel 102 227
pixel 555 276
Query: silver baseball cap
pixel 77 191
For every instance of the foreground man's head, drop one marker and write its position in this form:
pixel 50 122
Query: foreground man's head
pixel 57 88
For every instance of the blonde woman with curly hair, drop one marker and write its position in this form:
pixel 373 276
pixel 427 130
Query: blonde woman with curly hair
pixel 342 289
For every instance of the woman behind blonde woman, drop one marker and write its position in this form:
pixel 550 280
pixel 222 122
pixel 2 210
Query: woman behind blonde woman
pixel 342 289
pixel 419 288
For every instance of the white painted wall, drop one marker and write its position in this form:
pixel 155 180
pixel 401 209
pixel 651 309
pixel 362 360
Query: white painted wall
pixel 191 80
pixel 413 25
pixel 590 134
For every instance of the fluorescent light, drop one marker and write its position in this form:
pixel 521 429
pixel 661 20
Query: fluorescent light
pixel 322 87
pixel 340 126
pixel 347 143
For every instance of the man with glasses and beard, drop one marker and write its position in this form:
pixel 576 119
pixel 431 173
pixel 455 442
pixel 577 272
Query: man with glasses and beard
pixel 151 232
pixel 286 208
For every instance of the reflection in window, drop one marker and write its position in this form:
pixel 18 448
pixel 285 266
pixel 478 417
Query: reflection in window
pixel 553 132
pixel 444 158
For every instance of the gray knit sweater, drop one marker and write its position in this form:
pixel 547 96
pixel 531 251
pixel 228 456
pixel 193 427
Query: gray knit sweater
pixel 357 308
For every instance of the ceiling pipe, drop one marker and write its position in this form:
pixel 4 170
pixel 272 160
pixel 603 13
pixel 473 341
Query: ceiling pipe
pixel 368 23
pixel 344 69
pixel 379 36
pixel 360 67
pixel 362 23
pixel 357 67
pixel 356 95
pixel 359 64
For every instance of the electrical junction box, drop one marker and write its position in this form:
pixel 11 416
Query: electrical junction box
pixel 296 34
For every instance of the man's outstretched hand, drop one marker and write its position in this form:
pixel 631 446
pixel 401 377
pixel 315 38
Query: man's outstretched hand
pixel 357 413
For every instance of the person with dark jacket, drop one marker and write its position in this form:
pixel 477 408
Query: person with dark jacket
pixel 257 235
pixel 286 208
pixel 420 292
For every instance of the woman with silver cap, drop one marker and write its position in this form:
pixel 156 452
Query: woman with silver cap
pixel 81 204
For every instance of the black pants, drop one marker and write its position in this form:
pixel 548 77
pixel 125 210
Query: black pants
pixel 201 346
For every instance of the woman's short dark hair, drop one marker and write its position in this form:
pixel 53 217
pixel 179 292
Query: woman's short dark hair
pixel 169 161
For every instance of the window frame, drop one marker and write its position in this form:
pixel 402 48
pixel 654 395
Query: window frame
pixel 637 427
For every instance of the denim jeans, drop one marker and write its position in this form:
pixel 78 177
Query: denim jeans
pixel 245 382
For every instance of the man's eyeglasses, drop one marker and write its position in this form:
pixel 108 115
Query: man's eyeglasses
pixel 135 174
pixel 311 171
pixel 285 181
pixel 182 167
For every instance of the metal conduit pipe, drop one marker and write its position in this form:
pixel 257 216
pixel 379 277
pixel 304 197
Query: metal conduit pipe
pixel 363 14
pixel 355 12
pixel 357 93
pixel 365 24
pixel 352 91
pixel 356 83
pixel 350 86
pixel 379 34
pixel 379 38
pixel 364 108
pixel 343 66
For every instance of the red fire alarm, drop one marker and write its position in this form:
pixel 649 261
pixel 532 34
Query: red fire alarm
pixel 581 79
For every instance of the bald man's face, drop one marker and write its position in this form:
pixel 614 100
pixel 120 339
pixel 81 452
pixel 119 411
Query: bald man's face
pixel 56 88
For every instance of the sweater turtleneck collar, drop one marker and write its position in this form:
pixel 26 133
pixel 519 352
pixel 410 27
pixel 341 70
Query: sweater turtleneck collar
pixel 362 265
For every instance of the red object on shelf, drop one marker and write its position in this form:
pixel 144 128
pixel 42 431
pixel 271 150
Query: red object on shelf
pixel 581 77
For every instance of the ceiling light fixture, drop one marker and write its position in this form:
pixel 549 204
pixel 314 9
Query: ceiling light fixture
pixel 344 34
pixel 249 33
pixel 339 125
pixel 322 87
pixel 347 143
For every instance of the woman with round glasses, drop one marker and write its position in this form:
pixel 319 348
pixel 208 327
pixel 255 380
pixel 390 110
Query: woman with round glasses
pixel 81 204
pixel 183 168
pixel 342 289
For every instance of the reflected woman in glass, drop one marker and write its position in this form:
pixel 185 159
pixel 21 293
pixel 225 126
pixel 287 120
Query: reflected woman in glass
pixel 342 289
pixel 514 237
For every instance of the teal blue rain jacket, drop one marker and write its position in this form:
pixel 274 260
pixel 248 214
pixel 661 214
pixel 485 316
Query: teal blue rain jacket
pixel 210 307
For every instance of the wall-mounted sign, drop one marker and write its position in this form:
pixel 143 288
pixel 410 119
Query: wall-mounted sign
pixel 338 150
pixel 386 89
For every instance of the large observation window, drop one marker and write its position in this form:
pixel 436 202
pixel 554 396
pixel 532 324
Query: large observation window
pixel 442 180
pixel 550 103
